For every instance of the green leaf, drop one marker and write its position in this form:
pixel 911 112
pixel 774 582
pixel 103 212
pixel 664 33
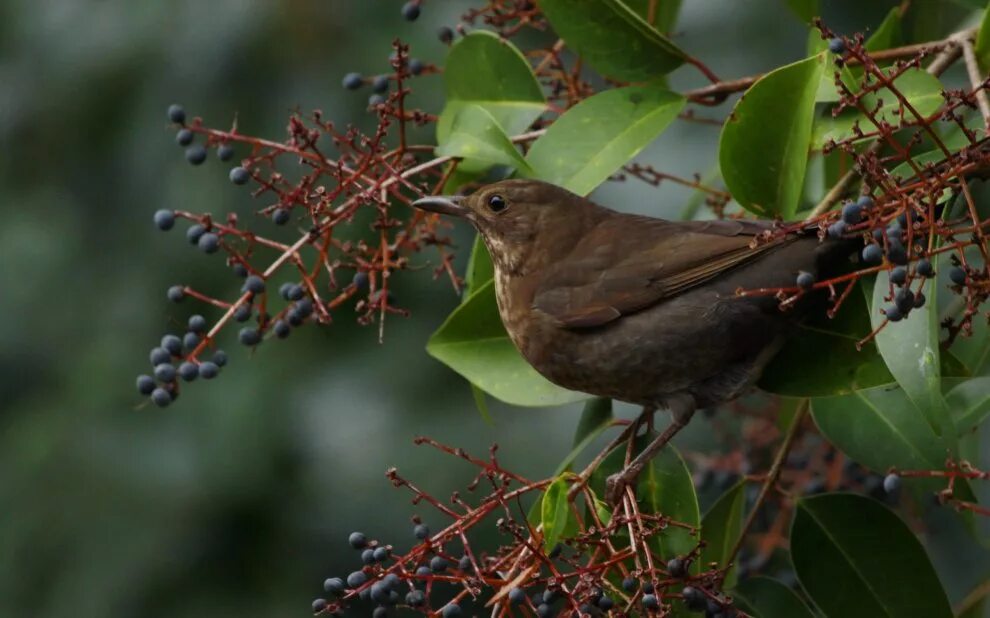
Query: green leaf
pixel 476 136
pixel 721 527
pixel 556 514
pixel 806 10
pixel 482 405
pixel 969 403
pixel 479 268
pixel 665 12
pixel 595 418
pixel 856 558
pixel 837 366
pixel 485 70
pixel 763 151
pixel 879 427
pixel 982 47
pixel 888 34
pixel 613 39
pixel 922 90
pixel 599 135
pixel 664 487
pixel 473 342
pixel 763 597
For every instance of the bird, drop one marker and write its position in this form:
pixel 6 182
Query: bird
pixel 636 308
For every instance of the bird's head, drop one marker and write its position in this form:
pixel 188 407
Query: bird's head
pixel 517 217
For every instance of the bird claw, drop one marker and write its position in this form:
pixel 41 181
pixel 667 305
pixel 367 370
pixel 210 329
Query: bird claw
pixel 615 487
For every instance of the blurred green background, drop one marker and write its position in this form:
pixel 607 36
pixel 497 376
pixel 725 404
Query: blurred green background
pixel 237 500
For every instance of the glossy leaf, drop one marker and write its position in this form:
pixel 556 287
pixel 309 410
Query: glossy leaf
pixel 763 597
pixel 969 403
pixel 763 151
pixel 474 343
pixel 475 136
pixel 888 34
pixel 982 47
pixel 599 135
pixel 806 10
pixel 485 70
pixel 855 557
pixel 556 514
pixel 595 418
pixel 613 39
pixel 664 487
pixel 720 529
pixel 664 12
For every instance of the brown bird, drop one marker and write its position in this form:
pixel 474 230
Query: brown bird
pixel 635 308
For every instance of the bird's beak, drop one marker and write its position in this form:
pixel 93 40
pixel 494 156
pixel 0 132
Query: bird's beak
pixel 443 204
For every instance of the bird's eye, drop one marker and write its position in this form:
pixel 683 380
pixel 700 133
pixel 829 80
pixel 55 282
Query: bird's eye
pixel 497 203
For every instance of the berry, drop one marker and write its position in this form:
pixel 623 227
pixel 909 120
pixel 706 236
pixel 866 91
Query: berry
pixel 865 201
pixel 391 581
pixel 904 299
pixel 176 114
pixel 410 10
pixel 381 554
pixel 805 280
pixel 208 370
pixel 924 269
pixel 852 213
pixel 415 598
pixel 837 229
pixel 283 290
pixel 172 344
pixel 629 584
pixel 334 585
pixel 295 292
pixel 357 578
pixel 421 532
pixel 160 356
pixel 220 358
pixel 897 254
pixel 239 175
pixel 184 137
pixel 445 34
pixel 898 276
pixel 249 336
pixel 544 611
pixel 353 81
pixel 196 154
pixel 648 587
pixel 176 293
pixel 416 66
pixel 676 567
pixel 225 152
pixel 368 556
pixel 165 219
pixel 379 593
pixel 357 540
pixel 451 610
pixel 872 254
pixel 919 300
pixel 438 564
pixel 694 598
pixel 145 384
pixel 650 601
pixel 304 307
pixel 380 84
pixel 254 284
pixel 423 571
pixel 464 564
pixel 195 232
pixel 517 596
pixel 280 216
pixel 606 603
pixel 375 100
pixel 190 341
pixel 893 313
pixel 188 371
pixel 161 397
pixel 208 243
pixel 319 605
pixel 281 329
pixel 957 275
pixel 360 280
pixel 165 372
pixel 549 596
pixel 837 46
pixel 242 313
pixel 240 270
pixel 197 323
pixel 891 483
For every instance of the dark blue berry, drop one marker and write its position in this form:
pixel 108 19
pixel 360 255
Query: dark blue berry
pixel 891 483
pixel 919 300
pixel 360 280
pixel 464 564
pixel 676 567
pixel 253 284
pixel 161 397
pixel 283 290
pixel 379 593
pixel 872 254
pixel 837 229
pixel 380 611
pixel 438 564
pixel 165 219
pixel 319 605
pixel 805 280
pixel 190 340
pixel 423 571
pixel 195 232
pixel 197 323
pixel 239 176
pixel 220 358
pixel 281 329
pixel 837 46
pixel 451 610
pixel 145 384
pixel 391 581
pixel 208 370
pixel 410 10
pixel 176 293
pixel 865 201
pixel 208 243
pixel 897 254
pixel 305 307
pixel 160 356
pixel 295 292
pixel 357 578
pixel 381 554
pixel 172 344
pixel 415 598
pixel 957 275
pixel 893 313
pixel 240 270
pixel 549 595
pixel 353 81
pixel 184 137
pixel 196 154
pixel 650 601
pixel 188 371
pixel 517 596
pixel 647 587
pixel 334 585
pixel 242 313
pixel 898 276
pixel 852 213
pixel 176 113
pixel 416 66
pixel 375 100
pixel 225 152
pixel 380 84
pixel 357 540
pixel 629 584
pixel 544 610
pixel 165 372
pixel 421 532
pixel 605 603
pixel 694 598
pixel 280 216
pixel 904 299
pixel 445 34
pixel 249 336
pixel 924 268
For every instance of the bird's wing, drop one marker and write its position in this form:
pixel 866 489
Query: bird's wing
pixel 628 263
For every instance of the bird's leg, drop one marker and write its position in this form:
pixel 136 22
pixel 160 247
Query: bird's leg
pixel 626 434
pixel 681 411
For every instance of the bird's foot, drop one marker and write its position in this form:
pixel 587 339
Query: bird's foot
pixel 616 484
